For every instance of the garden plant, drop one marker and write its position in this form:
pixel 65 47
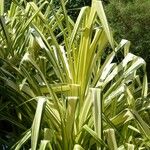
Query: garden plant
pixel 62 86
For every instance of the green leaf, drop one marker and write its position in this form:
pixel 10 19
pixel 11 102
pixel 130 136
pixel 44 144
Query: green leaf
pixel 130 146
pixel 22 141
pixel 37 122
pixel 43 144
pixel 1 7
pixel 95 136
pixel 141 123
pixel 100 11
pixel 111 139
pixel 78 147
pixel 97 111
pixel 77 24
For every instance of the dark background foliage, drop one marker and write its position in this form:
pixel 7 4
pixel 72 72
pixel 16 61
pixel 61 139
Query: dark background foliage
pixel 130 19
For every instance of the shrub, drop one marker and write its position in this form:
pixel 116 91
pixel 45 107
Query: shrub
pixel 59 91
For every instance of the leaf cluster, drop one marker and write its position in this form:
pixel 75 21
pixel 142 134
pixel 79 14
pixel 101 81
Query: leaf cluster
pixel 62 88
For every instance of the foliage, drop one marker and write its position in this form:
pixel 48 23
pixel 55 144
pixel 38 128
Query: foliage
pixel 131 20
pixel 73 7
pixel 59 89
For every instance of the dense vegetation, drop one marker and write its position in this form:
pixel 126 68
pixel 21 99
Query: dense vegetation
pixel 67 84
pixel 130 19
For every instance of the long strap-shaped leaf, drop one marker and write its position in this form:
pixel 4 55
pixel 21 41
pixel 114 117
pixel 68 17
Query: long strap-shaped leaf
pixel 20 143
pixel 145 128
pixel 99 141
pixel 97 112
pixel 5 31
pixel 1 7
pixel 100 11
pixel 111 139
pixel 36 123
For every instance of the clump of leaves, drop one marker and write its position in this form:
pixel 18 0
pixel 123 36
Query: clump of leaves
pixel 65 95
